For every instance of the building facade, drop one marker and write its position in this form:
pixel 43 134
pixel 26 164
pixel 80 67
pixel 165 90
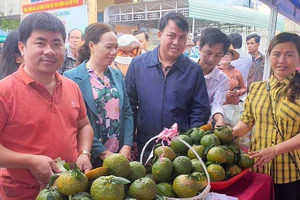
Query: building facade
pixel 10 9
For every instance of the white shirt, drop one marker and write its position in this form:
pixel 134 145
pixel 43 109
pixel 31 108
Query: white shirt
pixel 243 64
pixel 217 84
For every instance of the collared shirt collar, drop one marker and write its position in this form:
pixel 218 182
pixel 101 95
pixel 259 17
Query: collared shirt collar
pixel 229 68
pixel 275 83
pixel 27 79
pixel 69 53
pixel 260 56
pixel 159 58
pixel 153 60
pixel 213 74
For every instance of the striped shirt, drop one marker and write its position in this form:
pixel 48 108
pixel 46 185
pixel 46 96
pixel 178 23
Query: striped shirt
pixel 287 114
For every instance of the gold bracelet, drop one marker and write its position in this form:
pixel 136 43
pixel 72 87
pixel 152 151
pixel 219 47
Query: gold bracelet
pixel 85 152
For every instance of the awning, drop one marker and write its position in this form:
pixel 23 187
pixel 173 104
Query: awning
pixel 288 8
pixel 148 11
pixel 230 14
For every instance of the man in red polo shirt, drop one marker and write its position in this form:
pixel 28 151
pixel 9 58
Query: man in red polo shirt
pixel 42 114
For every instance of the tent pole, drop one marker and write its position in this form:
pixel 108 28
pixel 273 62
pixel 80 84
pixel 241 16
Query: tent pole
pixel 193 28
pixel 271 34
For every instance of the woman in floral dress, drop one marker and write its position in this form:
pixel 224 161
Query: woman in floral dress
pixel 104 93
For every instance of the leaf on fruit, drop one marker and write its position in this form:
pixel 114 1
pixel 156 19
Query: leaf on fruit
pixel 60 164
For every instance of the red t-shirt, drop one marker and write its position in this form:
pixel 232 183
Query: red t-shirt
pixel 34 122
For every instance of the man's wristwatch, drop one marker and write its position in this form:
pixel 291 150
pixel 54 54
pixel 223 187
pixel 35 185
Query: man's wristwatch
pixel 85 152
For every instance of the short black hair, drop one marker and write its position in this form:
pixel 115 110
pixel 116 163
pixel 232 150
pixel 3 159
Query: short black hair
pixel 255 36
pixel 196 39
pixel 212 36
pixel 40 21
pixel 236 40
pixel 75 29
pixel 178 18
pixel 139 31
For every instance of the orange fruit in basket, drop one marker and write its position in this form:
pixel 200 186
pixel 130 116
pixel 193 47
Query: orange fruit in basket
pixel 196 135
pixel 72 182
pixel 117 164
pixel 234 146
pixel 224 133
pixel 167 151
pixel 244 161
pixel 178 147
pixel 151 177
pixel 81 196
pixel 230 156
pixel 197 167
pixel 185 186
pixel 108 188
pixel 233 170
pixel 97 172
pixel 165 189
pixel 210 139
pixel 202 180
pixel 137 170
pixel 199 149
pixel 43 195
pixel 206 127
pixel 162 169
pixel 143 188
pixel 182 165
pixel 216 172
pixel 216 155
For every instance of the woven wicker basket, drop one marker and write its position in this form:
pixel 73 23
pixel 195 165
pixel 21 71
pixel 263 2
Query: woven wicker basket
pixel 200 196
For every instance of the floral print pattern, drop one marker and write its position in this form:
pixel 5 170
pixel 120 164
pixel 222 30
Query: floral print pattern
pixel 107 99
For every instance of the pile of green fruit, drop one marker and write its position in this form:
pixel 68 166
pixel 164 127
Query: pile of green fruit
pixel 174 171
pixel 218 150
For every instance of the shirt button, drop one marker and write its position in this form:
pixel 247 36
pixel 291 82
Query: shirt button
pixel 97 122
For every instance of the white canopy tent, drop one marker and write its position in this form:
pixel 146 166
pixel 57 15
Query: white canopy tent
pixel 287 8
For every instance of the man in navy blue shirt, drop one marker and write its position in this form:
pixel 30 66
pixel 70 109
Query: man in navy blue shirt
pixel 166 87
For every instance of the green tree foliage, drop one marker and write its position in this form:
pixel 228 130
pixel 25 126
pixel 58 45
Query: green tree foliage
pixel 9 24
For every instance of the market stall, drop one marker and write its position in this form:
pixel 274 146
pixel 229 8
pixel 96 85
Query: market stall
pixel 197 164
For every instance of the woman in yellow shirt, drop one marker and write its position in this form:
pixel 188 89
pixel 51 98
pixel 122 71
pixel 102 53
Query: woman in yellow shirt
pixel 274 107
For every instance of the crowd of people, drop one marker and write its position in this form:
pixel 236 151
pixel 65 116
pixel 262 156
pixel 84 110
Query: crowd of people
pixel 107 93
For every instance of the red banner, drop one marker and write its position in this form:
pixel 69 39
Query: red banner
pixel 50 5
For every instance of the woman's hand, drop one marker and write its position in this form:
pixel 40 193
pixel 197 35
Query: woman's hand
pixel 104 154
pixel 219 122
pixel 263 156
pixel 234 93
pixel 83 163
pixel 126 151
pixel 134 151
pixel 229 94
